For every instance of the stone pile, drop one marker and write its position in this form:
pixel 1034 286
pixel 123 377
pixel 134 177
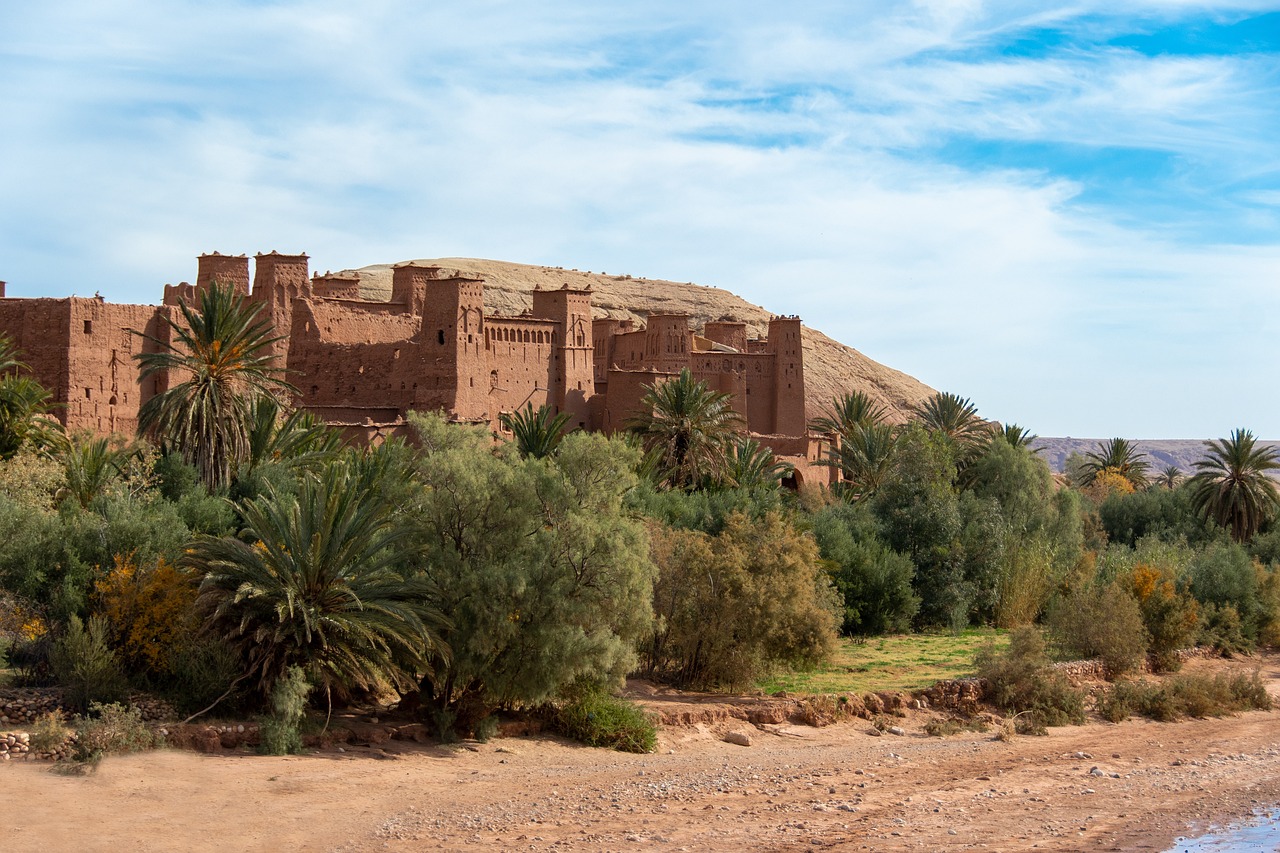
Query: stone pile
pixel 26 705
pixel 960 694
pixel 14 745
pixel 153 710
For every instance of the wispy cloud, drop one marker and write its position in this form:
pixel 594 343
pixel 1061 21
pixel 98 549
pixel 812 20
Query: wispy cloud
pixel 1067 213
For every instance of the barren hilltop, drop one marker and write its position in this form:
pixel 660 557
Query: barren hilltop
pixel 830 367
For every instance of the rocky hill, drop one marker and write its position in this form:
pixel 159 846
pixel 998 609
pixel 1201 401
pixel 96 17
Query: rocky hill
pixel 830 366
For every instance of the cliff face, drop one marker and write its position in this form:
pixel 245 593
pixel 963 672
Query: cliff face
pixel 830 367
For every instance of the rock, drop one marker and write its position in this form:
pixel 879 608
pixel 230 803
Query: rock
pixel 738 737
pixel 874 732
pixel 897 730
pixel 1096 772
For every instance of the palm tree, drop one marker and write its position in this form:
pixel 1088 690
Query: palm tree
pixel 749 465
pixel 1119 456
pixel 24 406
pixel 1017 437
pixel 853 408
pixel 537 434
pixel 321 587
pixel 865 458
pixel 297 438
pixel 221 359
pixel 1170 476
pixel 24 417
pixel 955 417
pixel 1232 484
pixel 90 464
pixel 685 427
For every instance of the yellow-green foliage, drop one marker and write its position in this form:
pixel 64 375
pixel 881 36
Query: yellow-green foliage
pixel 31 479
pixel 1108 482
pixel 734 607
pixel 149 609
pixel 1171 616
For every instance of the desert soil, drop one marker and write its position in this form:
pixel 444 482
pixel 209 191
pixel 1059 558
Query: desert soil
pixel 794 787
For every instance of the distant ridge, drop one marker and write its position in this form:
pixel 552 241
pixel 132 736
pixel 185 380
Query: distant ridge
pixel 1182 452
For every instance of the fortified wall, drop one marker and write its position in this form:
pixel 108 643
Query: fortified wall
pixel 362 365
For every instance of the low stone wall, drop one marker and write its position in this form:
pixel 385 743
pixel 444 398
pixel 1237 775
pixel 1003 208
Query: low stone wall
pixel 18 706
pixel 25 705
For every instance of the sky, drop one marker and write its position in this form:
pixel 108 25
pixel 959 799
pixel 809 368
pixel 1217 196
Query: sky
pixel 1069 213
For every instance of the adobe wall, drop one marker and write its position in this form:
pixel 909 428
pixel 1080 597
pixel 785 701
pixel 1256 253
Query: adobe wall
pixel 363 365
pixel 518 355
pixel 81 350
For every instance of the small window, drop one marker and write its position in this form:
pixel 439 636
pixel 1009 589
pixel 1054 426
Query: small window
pixel 88 327
pixel 440 336
pixel 86 394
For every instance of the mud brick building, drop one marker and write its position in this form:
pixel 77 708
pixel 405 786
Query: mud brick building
pixel 362 365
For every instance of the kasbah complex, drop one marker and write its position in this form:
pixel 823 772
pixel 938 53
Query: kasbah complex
pixel 361 365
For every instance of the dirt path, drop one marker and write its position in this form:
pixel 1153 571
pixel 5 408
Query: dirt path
pixel 794 788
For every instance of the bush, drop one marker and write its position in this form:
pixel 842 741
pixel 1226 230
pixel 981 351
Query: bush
pixel 85 666
pixel 1120 702
pixel 1170 615
pixel 1100 621
pixel 1185 696
pixel 110 729
pixel 1220 629
pixel 595 718
pixel 281 732
pixel 1022 680
pixel 49 731
pixel 149 610
pixel 873 580
pixel 201 669
pixel 736 606
pixel 1223 575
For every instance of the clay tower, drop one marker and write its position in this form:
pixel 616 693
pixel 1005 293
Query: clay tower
pixel 572 350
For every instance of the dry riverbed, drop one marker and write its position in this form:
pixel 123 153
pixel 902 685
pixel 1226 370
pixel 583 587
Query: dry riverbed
pixel 1132 786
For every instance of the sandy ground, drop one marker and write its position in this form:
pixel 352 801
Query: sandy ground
pixel 794 788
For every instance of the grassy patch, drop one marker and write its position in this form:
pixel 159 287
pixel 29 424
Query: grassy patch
pixel 897 662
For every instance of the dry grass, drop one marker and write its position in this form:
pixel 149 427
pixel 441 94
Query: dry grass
pixel 898 662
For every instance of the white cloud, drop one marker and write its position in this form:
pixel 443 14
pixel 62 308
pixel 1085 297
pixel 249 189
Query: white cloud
pixel 783 154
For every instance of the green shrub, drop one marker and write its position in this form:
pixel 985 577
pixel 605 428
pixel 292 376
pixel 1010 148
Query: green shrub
pixel 49 731
pixel 1021 679
pixel 1185 696
pixel 736 606
pixel 1103 622
pixel 281 731
pixel 1223 575
pixel 1121 702
pixel 1221 629
pixel 874 581
pixel 1170 614
pixel 200 671
pixel 85 666
pixel 110 729
pixel 486 729
pixel 597 719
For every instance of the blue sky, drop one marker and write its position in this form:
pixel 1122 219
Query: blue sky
pixel 1070 214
